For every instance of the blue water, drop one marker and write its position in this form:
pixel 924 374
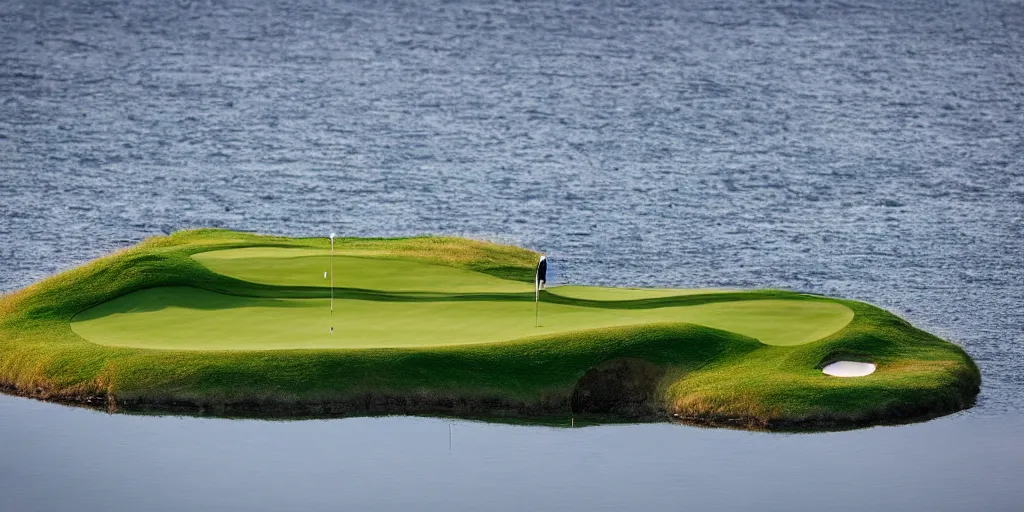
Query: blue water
pixel 73 459
pixel 871 151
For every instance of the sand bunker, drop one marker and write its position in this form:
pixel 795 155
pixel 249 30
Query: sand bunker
pixel 849 369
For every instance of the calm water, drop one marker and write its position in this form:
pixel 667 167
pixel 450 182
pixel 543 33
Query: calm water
pixel 872 151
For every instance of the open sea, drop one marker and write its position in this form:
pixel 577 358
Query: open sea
pixel 869 150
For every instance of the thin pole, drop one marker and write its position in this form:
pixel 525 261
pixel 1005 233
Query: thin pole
pixel 536 302
pixel 540 271
pixel 332 274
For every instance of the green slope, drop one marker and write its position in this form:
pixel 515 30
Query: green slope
pixel 306 267
pixel 605 293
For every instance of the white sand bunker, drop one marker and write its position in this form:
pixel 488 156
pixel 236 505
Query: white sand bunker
pixel 849 369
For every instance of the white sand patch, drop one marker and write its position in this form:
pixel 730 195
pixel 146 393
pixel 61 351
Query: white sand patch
pixel 849 369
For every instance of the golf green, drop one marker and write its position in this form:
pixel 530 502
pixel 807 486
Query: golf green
pixel 307 267
pixel 187 318
pixel 220 322
pixel 618 294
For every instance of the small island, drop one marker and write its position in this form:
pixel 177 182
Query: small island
pixel 234 324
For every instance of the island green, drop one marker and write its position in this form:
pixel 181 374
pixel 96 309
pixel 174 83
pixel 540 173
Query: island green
pixel 214 321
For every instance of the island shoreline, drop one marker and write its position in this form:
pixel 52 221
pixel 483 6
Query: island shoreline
pixel 674 372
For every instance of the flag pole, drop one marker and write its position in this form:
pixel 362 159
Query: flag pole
pixel 332 273
pixel 539 276
pixel 536 301
pixel 332 282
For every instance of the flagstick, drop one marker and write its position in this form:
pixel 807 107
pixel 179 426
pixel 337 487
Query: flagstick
pixel 332 282
pixel 332 273
pixel 539 275
pixel 536 302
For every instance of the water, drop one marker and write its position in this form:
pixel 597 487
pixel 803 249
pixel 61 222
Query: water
pixel 148 463
pixel 871 151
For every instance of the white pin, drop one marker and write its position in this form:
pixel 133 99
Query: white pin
pixel 539 280
pixel 332 274
pixel 332 278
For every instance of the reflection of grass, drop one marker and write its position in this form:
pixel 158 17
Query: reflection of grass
pixel 713 374
pixel 566 419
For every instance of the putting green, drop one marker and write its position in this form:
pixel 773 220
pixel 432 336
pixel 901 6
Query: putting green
pixel 607 293
pixel 192 319
pixel 306 267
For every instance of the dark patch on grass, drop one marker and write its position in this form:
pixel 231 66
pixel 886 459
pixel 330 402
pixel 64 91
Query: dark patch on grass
pixel 624 387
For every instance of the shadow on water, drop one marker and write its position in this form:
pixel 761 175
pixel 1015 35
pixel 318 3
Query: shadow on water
pixel 569 419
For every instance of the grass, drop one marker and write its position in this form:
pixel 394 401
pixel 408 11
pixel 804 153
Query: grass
pixel 604 293
pixel 193 319
pixel 232 322
pixel 306 267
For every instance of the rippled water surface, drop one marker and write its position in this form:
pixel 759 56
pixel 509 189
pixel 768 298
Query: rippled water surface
pixel 867 150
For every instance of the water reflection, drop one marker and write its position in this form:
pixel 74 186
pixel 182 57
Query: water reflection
pixel 178 463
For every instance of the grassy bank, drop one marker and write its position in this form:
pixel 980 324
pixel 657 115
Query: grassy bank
pixel 212 320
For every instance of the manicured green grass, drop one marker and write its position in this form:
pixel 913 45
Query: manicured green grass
pixel 306 267
pixel 232 322
pixel 606 293
pixel 192 319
